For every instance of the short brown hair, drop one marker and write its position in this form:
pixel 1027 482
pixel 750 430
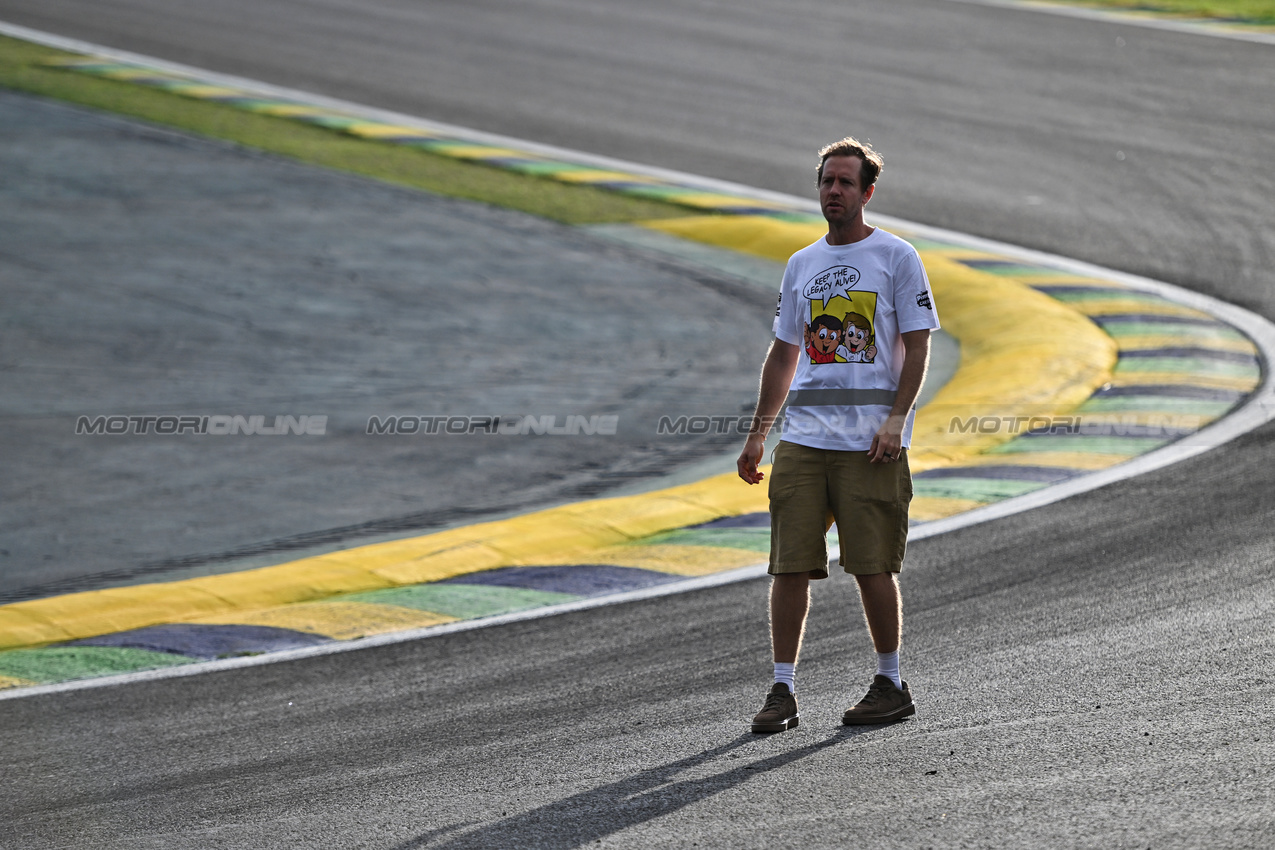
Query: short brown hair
pixel 871 162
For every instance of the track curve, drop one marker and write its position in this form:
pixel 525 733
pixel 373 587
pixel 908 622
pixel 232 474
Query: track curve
pixel 1078 665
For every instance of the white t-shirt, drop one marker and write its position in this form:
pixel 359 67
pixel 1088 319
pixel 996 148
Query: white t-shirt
pixel 845 306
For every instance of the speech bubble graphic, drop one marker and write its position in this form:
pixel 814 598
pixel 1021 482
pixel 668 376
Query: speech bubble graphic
pixel 830 283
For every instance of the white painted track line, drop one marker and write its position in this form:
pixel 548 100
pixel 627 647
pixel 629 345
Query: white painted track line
pixel 1115 16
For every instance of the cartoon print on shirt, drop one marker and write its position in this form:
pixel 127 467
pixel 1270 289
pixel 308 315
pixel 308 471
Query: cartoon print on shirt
pixel 823 338
pixel 842 332
pixel 840 329
pixel 858 339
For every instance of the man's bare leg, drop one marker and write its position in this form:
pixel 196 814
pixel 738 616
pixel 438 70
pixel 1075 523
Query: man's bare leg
pixel 889 699
pixel 883 609
pixel 789 603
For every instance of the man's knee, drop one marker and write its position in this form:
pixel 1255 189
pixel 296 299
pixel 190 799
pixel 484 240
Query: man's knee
pixel 791 581
pixel 877 580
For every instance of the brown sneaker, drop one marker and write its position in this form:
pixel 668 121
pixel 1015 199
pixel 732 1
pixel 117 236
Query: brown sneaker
pixel 779 712
pixel 884 704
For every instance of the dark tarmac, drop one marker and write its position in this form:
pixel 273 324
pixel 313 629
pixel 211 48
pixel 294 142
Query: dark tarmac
pixel 148 273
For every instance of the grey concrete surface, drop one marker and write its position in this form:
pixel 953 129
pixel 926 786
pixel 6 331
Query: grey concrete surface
pixel 144 272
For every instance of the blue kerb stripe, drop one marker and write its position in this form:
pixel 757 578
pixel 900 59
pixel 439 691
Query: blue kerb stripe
pixel 1156 319
pixel 1206 353
pixel 206 641
pixel 1064 289
pixel 1044 474
pixel 754 520
pixel 580 579
pixel 1172 391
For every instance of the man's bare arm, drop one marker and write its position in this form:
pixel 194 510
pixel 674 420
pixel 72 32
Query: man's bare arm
pixel 916 359
pixel 776 378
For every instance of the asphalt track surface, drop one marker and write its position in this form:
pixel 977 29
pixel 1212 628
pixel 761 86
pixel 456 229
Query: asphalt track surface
pixel 203 279
pixel 1137 149
pixel 1097 673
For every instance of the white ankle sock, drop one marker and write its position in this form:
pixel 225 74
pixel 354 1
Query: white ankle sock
pixel 888 666
pixel 786 673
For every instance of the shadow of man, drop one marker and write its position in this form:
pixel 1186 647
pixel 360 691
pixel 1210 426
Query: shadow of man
pixel 597 813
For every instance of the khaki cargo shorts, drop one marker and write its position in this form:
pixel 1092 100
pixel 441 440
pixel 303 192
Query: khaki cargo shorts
pixel 810 488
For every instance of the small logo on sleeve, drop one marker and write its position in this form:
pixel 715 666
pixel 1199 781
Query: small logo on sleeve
pixel 923 300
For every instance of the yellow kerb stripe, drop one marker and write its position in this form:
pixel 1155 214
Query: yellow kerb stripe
pixel 930 508
pixel 567 533
pixel 383 131
pixel 13 682
pixel 339 620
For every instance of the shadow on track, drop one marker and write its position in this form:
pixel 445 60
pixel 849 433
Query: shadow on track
pixel 595 814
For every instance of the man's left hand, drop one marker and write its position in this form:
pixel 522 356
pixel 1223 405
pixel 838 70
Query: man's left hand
pixel 887 444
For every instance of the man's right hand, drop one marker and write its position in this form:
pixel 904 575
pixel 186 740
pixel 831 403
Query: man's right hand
pixel 776 378
pixel 750 457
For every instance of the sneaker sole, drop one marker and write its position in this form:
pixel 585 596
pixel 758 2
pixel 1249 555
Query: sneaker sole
pixel 877 719
pixel 790 723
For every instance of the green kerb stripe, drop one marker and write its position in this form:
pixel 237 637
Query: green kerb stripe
pixel 59 663
pixel 464 601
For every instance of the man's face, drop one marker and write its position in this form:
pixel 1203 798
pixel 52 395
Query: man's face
pixel 841 193
pixel 825 339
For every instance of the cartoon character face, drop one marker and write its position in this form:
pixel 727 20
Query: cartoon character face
pixel 858 332
pixel 825 339
pixel 856 339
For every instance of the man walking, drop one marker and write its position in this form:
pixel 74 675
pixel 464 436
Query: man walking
pixel 843 454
